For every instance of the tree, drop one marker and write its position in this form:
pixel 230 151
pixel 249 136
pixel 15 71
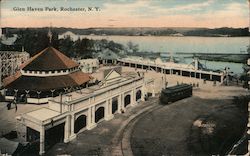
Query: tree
pixel 66 46
pixel 132 47
pixel 246 69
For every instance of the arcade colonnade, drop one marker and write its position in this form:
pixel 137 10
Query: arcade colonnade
pixel 75 114
pixel 171 70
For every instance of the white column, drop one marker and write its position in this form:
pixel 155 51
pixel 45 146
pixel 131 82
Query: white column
pixel 72 127
pixel 91 118
pixel 108 112
pixel 93 114
pixel 67 129
pixel 122 102
pixel 133 97
pixel 42 140
pixel 142 93
pixel 110 108
pixel 119 99
pixel 132 102
pixel 153 89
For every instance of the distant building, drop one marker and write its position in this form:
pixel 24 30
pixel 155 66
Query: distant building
pixel 193 70
pixel 69 34
pixel 10 62
pixel 8 40
pixel 107 57
pixel 88 65
pixel 45 75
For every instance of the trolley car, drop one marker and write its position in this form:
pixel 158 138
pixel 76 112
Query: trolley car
pixel 175 93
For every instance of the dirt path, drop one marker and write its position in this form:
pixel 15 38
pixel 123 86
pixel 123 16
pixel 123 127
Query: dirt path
pixel 121 140
pixel 167 131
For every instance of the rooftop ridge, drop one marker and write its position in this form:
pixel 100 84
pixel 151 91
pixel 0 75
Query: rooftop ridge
pixel 33 58
pixel 49 59
pixel 60 55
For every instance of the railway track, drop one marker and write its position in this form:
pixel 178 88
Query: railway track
pixel 120 145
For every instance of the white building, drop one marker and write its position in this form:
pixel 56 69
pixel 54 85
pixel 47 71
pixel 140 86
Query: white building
pixel 88 65
pixel 69 34
pixel 83 109
pixel 193 70
pixel 8 40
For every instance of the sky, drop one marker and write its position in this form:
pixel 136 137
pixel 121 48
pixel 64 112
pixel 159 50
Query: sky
pixel 126 13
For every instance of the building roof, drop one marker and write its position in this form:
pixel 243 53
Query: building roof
pixel 49 59
pixel 43 114
pixel 107 72
pixel 107 54
pixel 35 83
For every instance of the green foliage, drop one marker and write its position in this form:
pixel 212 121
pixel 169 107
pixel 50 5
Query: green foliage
pixel 218 32
pixel 132 47
pixel 35 40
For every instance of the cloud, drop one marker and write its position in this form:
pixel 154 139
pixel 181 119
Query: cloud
pixel 190 7
pixel 138 13
pixel 142 8
pixel 203 14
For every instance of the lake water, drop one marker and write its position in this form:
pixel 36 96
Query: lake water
pixel 188 45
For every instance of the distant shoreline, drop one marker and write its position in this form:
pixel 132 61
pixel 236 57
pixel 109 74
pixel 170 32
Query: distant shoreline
pixel 146 31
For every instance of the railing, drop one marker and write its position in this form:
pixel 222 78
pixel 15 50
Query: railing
pixel 169 68
pixel 79 101
pixel 100 91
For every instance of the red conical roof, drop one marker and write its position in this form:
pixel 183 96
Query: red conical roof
pixel 49 59
pixel 35 83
